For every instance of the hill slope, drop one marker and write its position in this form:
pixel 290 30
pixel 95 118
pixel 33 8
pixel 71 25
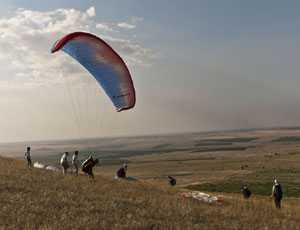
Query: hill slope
pixel 38 199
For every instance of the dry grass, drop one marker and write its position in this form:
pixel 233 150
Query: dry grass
pixel 37 199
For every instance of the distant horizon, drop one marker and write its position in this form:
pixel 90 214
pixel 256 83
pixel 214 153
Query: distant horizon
pixel 157 134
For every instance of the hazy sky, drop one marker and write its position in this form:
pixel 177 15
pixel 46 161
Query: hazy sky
pixel 196 65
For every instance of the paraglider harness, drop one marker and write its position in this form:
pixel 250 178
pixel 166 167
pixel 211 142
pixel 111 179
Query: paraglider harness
pixel 88 164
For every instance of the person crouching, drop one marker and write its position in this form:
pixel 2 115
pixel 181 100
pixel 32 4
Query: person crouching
pixel 172 180
pixel 121 173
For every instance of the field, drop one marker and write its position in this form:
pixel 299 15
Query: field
pixel 218 163
pixel 38 199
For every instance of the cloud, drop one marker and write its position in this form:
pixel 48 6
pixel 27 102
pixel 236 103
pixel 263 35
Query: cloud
pixel 133 52
pixel 27 37
pixel 91 11
pixel 126 25
pixel 104 27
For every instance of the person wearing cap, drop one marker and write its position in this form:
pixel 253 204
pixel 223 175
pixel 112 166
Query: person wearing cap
pixel 277 193
pixel 64 162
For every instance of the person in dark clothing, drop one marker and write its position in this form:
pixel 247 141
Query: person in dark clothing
pixel 28 157
pixel 172 181
pixel 246 192
pixel 121 173
pixel 87 166
pixel 277 194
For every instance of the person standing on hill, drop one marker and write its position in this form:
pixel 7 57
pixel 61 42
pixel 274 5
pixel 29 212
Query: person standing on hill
pixel 277 193
pixel 88 165
pixel 64 162
pixel 75 162
pixel 246 192
pixel 28 157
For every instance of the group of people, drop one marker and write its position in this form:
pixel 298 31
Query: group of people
pixel 276 194
pixel 64 162
pixel 88 165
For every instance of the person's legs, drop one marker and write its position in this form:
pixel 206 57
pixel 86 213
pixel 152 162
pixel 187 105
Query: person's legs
pixel 29 163
pixel 76 169
pixel 91 174
pixel 64 170
pixel 277 203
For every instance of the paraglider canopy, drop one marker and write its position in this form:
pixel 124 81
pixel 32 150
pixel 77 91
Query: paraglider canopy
pixel 104 64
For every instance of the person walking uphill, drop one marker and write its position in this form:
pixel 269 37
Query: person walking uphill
pixel 28 157
pixel 277 194
pixel 64 162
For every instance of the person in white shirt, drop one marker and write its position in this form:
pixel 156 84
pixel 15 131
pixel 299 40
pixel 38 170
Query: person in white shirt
pixel 64 162
pixel 75 162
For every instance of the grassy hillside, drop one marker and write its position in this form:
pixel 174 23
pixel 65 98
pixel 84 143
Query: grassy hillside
pixel 37 199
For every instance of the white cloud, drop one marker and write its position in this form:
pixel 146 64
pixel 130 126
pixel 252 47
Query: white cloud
pixel 126 25
pixel 91 11
pixel 104 27
pixel 134 53
pixel 27 37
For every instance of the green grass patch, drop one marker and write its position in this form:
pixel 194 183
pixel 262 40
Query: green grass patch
pixel 287 139
pixel 232 140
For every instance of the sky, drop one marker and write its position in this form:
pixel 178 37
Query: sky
pixel 197 65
